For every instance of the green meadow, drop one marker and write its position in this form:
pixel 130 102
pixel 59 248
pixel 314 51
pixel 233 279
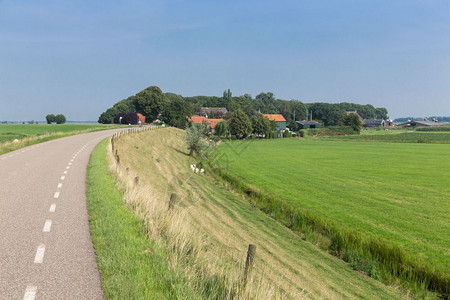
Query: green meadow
pixel 390 196
pixel 14 136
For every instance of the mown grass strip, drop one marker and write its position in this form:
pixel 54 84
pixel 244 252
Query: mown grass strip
pixel 378 258
pixel 131 266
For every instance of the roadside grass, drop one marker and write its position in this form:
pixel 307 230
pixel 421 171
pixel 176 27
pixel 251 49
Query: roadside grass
pixel 131 266
pixel 29 134
pixel 206 235
pixel 383 207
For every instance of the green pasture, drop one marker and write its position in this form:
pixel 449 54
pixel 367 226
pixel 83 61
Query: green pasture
pixel 396 193
pixel 398 136
pixel 28 134
pixel 12 131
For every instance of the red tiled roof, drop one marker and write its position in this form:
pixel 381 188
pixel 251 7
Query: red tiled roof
pixel 275 117
pixel 197 119
pixel 141 117
pixel 213 122
pixel 201 119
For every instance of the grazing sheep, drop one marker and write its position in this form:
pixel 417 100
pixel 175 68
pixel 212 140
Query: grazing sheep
pixel 192 168
pixel 202 170
pixel 196 170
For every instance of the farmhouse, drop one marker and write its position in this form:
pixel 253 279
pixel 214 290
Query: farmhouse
pixel 308 124
pixel 141 118
pixel 217 112
pixel 277 118
pixel 210 123
pixel 374 123
pixel 421 123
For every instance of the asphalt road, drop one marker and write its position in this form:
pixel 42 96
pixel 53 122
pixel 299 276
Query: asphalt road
pixel 46 250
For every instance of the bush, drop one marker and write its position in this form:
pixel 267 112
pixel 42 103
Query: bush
pixel 303 132
pixel 341 129
pixel 286 134
pixel 126 118
pixel 312 132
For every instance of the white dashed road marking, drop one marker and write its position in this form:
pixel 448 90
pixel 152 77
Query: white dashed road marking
pixel 65 172
pixel 47 226
pixel 56 195
pixel 67 167
pixel 30 293
pixel 59 185
pixel 63 177
pixel 52 207
pixel 39 254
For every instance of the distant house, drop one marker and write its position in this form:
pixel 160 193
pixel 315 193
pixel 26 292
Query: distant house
pixel 279 119
pixel 210 123
pixel 217 112
pixel 374 123
pixel 349 112
pixel 421 123
pixel 141 118
pixel 308 124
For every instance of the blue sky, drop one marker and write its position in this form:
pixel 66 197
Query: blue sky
pixel 80 57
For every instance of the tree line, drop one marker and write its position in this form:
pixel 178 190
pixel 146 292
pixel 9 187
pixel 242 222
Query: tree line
pixel 173 109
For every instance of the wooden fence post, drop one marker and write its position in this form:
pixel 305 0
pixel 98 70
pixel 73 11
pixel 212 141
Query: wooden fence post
pixel 173 198
pixel 249 261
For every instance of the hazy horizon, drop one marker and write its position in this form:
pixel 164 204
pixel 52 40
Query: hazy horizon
pixel 80 58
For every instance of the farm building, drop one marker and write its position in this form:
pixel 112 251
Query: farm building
pixel 210 123
pixel 217 112
pixel 141 118
pixel 308 124
pixel 374 123
pixel 279 119
pixel 421 123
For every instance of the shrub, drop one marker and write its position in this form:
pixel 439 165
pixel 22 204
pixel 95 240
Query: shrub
pixel 286 134
pixel 303 133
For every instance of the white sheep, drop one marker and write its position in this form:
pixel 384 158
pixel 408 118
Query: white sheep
pixel 192 168
pixel 196 170
pixel 202 170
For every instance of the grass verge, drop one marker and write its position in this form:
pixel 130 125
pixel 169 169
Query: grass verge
pixel 131 266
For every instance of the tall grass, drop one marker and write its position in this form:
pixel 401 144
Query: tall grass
pixel 378 258
pixel 214 273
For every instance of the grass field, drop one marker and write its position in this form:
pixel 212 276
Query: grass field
pixel 131 266
pixel 28 134
pixel 397 136
pixel 207 235
pixel 397 193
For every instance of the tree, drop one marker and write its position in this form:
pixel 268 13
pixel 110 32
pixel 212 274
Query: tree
pixel 353 121
pixel 194 139
pixel 221 128
pixel 50 118
pixel 60 119
pixel 329 114
pixel 126 118
pixel 260 124
pixel 150 102
pixel 268 102
pixel 240 124
pixel 176 111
